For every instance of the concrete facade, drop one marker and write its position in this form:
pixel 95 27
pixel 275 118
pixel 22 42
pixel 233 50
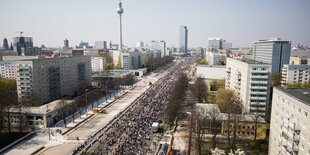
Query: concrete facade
pixel 290 123
pixel 97 64
pixel 250 80
pixel 273 51
pixel 159 45
pixel 7 69
pixel 52 78
pixel 298 60
pixel 213 58
pixel 295 73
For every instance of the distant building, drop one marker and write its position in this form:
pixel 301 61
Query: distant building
pixel 213 58
pixel 295 73
pixel 301 53
pixel 298 60
pixel 226 45
pixel 159 45
pixel 22 42
pixel 83 45
pixel 132 60
pixel 289 126
pixel 8 69
pixel 101 45
pixel 97 64
pixel 200 52
pixel 66 44
pixel 273 51
pixel 140 44
pixel 183 40
pixel 52 78
pixel 5 44
pixel 250 80
pixel 31 51
pixel 214 44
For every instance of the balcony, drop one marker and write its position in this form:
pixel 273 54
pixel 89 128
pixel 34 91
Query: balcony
pixel 259 87
pixel 257 92
pixel 259 71
pixel 23 67
pixel 260 82
pixel 258 98
pixel 258 103
pixel 259 76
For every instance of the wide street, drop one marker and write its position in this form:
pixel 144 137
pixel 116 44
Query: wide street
pixel 99 120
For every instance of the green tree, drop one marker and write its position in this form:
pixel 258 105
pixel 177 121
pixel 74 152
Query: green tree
pixel 8 97
pixel 227 101
pixel 203 61
pixel 276 79
pixel 108 66
pixel 200 89
pixel 217 84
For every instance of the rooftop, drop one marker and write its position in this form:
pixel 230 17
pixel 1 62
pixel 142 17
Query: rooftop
pixel 302 94
pixel 205 108
pixel 249 61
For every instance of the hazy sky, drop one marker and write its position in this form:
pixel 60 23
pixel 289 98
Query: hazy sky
pixel 49 22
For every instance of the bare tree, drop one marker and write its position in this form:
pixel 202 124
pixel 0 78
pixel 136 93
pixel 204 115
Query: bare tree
pixel 214 116
pixel 199 130
pixel 62 109
pixel 255 117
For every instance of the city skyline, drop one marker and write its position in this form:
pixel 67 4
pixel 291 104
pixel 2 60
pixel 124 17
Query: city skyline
pixel 241 22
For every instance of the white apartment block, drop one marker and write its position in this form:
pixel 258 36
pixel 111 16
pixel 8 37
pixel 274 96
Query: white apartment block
pixel 97 64
pixel 290 122
pixel 250 80
pixel 213 58
pixel 52 78
pixel 295 73
pixel 132 60
pixel 7 69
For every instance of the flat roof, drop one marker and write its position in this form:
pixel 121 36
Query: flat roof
pixel 249 61
pixel 302 94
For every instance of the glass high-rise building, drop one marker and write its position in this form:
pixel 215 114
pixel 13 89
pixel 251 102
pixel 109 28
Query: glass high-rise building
pixel 183 39
pixel 273 51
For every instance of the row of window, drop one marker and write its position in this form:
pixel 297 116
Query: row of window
pixel 258 85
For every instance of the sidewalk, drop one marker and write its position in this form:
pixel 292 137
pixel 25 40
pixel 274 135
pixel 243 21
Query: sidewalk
pixel 42 139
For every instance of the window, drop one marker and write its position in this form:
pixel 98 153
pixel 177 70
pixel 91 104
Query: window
pixel 299 110
pixel 306 114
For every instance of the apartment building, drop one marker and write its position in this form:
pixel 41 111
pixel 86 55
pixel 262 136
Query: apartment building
pixel 290 122
pixel 295 73
pixel 250 80
pixel 273 51
pixel 213 58
pixel 7 69
pixel 298 60
pixel 97 64
pixel 52 78
pixel 245 126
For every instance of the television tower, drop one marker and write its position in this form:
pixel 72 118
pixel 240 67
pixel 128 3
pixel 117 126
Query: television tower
pixel 120 11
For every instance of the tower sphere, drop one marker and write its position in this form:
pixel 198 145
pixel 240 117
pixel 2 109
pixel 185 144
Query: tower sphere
pixel 120 9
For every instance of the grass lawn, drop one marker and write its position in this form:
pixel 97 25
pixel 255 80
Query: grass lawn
pixel 207 147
